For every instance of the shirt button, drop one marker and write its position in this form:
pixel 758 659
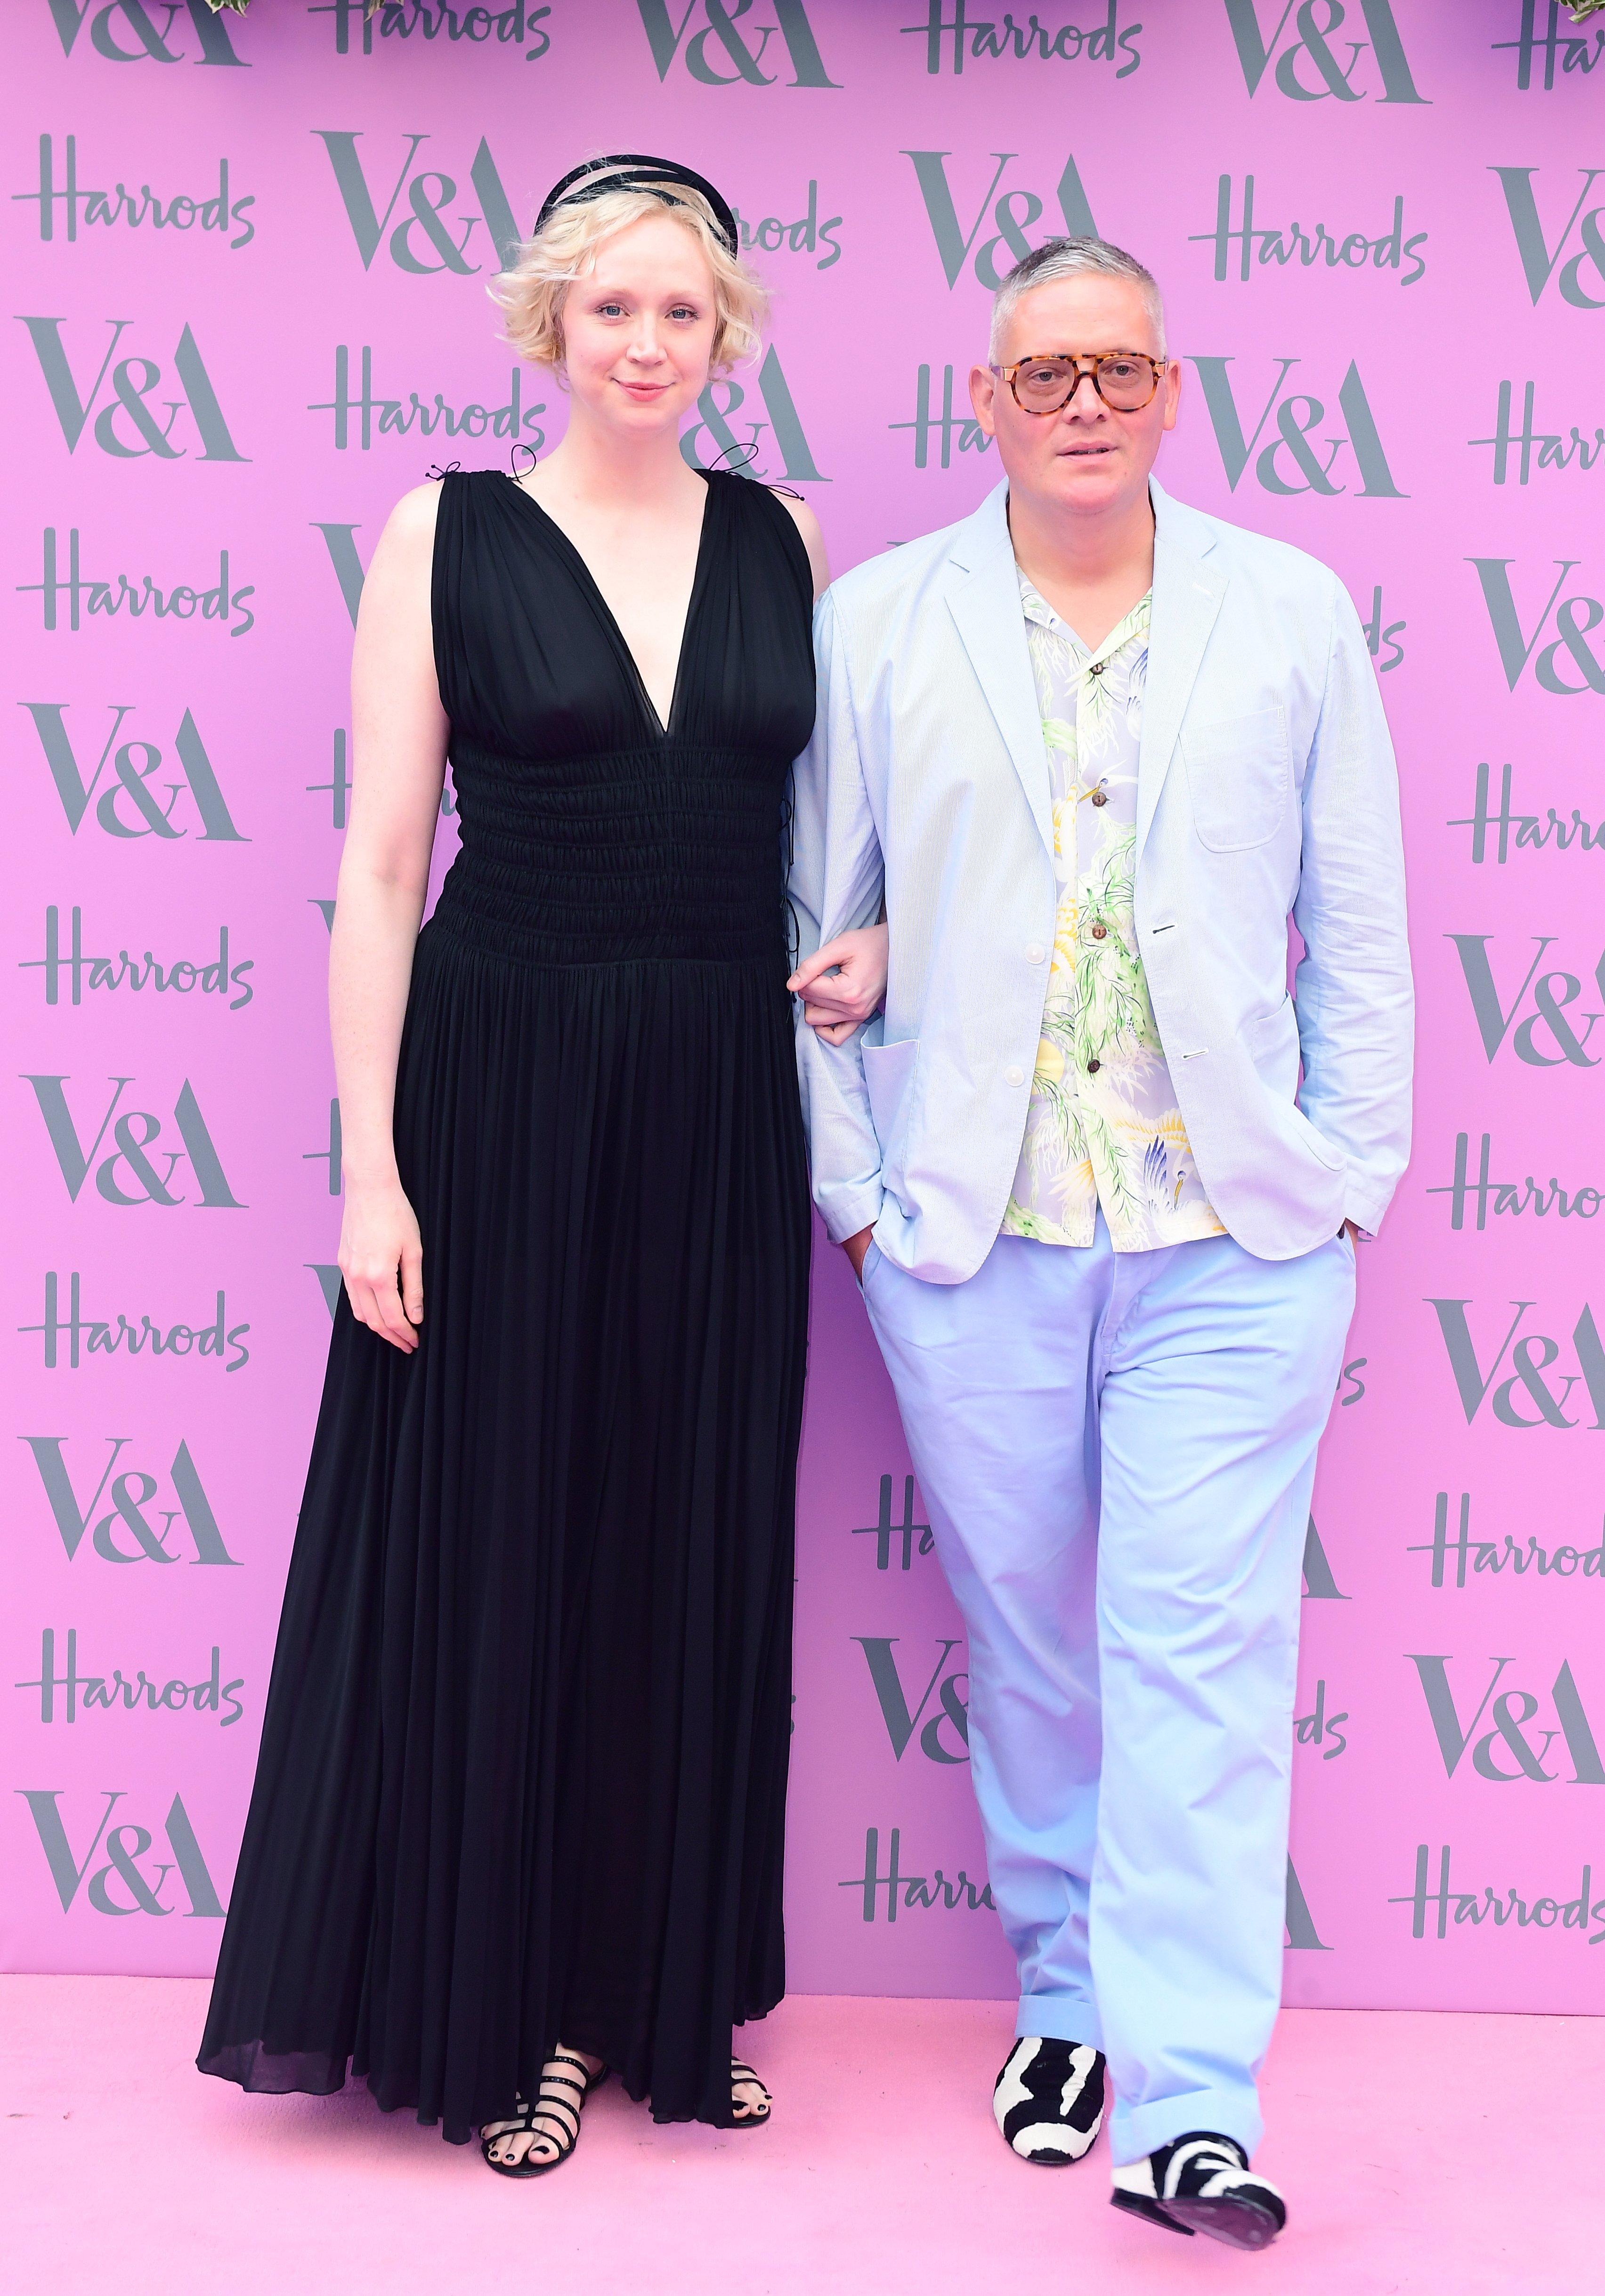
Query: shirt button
pixel 1100 798
pixel 1014 1076
pixel 1093 1067
pixel 1035 952
pixel 1100 932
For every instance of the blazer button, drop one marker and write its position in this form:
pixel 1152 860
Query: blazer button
pixel 1014 1076
pixel 1035 952
pixel 1093 1067
pixel 1100 932
pixel 1098 798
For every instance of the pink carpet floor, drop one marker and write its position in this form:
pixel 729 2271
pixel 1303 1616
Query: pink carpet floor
pixel 1430 2154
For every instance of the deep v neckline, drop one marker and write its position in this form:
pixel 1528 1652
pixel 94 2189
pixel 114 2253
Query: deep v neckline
pixel 662 728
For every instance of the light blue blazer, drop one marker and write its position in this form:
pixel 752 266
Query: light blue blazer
pixel 1266 785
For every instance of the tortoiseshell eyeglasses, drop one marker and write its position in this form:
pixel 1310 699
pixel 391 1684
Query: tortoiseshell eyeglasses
pixel 1048 381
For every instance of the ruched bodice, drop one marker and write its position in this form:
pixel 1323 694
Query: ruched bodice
pixel 652 852
pixel 592 833
pixel 525 1753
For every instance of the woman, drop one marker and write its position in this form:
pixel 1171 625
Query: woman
pixel 519 1812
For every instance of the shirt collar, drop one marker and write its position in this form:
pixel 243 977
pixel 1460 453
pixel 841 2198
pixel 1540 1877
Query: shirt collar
pixel 1036 608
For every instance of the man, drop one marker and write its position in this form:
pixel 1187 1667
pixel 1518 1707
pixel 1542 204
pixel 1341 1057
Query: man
pixel 1093 747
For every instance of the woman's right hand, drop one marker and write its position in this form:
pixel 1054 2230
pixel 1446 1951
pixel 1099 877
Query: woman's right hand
pixel 842 983
pixel 382 1260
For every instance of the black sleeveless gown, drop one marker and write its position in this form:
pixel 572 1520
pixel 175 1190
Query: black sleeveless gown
pixel 523 1761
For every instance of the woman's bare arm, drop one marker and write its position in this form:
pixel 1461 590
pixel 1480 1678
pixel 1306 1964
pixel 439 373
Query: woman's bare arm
pixel 813 540
pixel 400 734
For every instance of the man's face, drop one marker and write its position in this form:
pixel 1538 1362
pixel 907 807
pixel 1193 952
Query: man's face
pixel 1087 459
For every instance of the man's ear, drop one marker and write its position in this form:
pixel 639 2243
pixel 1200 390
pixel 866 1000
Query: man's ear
pixel 984 392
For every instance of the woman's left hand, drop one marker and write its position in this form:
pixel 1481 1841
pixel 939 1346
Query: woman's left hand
pixel 843 982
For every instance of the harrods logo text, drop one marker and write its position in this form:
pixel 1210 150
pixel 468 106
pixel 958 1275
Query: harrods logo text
pixel 1496 1908
pixel 72 1339
pixel 804 235
pixel 954 35
pixel 210 215
pixel 1496 1558
pixel 1562 43
pixel 1509 1198
pixel 393 417
pixel 1320 1727
pixel 1554 452
pixel 913 1538
pixel 903 1892
pixel 952 424
pixel 438 28
pixel 87 597
pixel 179 978
pixel 1280 244
pixel 64 1696
pixel 1531 832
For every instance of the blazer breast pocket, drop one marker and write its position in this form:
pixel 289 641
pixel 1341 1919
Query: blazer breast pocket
pixel 1239 775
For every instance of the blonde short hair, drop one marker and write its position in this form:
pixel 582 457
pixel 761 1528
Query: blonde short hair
pixel 534 287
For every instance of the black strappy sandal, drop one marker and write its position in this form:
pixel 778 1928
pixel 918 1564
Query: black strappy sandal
pixel 751 2118
pixel 561 2118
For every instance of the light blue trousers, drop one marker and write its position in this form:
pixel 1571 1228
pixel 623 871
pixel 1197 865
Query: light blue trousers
pixel 1117 1452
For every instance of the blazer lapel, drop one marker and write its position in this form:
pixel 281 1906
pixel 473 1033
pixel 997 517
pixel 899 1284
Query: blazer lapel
pixel 1187 591
pixel 983 594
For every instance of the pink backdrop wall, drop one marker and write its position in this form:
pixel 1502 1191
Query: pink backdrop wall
pixel 1379 230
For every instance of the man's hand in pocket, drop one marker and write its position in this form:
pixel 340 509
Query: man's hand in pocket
pixel 855 1248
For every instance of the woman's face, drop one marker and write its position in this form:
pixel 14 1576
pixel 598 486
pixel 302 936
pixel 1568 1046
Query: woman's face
pixel 637 329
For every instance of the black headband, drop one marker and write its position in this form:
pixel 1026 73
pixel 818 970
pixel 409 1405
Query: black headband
pixel 637 171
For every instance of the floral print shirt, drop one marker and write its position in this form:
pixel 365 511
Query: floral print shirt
pixel 1102 1127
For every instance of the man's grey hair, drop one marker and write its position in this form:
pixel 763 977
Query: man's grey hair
pixel 1069 258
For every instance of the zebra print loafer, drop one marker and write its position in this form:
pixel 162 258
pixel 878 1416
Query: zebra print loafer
pixel 1202 2183
pixel 1048 2100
